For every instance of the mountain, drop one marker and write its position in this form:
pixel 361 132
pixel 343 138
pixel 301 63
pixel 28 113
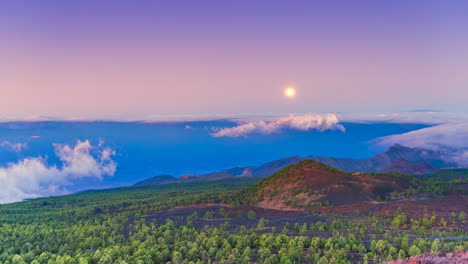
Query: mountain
pixel 161 179
pixel 251 171
pixel 382 161
pixel 406 167
pixel 398 158
pixel 236 172
pixel 418 161
pixel 271 167
pixel 312 183
pixel 233 172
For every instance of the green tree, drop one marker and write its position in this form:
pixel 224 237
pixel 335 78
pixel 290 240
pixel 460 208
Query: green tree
pixel 461 217
pixel 380 246
pixel 208 215
pixel 239 214
pixel 443 222
pixel 401 254
pixel 409 193
pixel 251 215
pixel 414 251
pixel 435 247
pixel 399 220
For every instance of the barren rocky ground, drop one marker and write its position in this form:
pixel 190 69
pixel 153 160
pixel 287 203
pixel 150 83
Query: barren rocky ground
pixel 458 257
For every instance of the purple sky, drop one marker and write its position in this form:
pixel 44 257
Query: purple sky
pixel 133 59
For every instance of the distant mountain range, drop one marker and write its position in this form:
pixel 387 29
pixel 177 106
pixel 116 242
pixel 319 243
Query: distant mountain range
pixel 406 167
pixel 397 158
pixel 263 170
pixel 381 162
pixel 251 171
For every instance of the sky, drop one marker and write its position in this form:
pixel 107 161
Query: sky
pixel 124 90
pixel 134 60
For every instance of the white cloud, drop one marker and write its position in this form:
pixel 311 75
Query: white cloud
pixel 298 122
pixel 451 139
pixel 33 177
pixel 16 147
pixel 416 117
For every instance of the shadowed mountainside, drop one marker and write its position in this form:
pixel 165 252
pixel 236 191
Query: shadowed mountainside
pixel 406 167
pixel 260 171
pixel 382 161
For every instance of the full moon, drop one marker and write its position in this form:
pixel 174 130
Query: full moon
pixel 290 92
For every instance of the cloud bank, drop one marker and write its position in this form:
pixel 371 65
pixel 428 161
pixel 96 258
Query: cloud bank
pixel 420 116
pixel 33 177
pixel 451 139
pixel 298 122
pixel 15 147
pixel 415 117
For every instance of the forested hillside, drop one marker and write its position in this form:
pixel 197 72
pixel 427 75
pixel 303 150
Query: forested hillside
pixel 205 222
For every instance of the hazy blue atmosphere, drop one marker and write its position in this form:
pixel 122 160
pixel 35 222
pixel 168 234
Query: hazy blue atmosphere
pixel 148 149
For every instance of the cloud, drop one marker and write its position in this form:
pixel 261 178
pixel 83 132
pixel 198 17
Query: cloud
pixel 33 177
pixel 298 122
pixel 416 117
pixel 15 147
pixel 451 139
pixel 420 116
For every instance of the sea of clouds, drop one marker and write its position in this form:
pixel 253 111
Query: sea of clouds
pixel 16 147
pixel 34 177
pixel 450 139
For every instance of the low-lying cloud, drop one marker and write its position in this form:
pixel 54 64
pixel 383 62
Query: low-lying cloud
pixel 412 117
pixel 33 177
pixel 451 139
pixel 298 122
pixel 15 147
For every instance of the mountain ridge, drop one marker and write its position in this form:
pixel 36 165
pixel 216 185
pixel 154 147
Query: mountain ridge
pixel 397 158
pixel 381 161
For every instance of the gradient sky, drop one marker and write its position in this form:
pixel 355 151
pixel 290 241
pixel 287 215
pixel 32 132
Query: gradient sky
pixel 134 59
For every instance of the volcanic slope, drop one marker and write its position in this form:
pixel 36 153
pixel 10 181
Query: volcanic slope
pixel 309 184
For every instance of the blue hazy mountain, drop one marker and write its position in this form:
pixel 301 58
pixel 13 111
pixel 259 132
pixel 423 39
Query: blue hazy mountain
pixel 397 158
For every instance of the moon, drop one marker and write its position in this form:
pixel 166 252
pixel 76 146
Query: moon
pixel 290 92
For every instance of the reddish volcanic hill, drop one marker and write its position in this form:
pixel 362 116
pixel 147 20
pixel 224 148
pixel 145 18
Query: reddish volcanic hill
pixel 406 167
pixel 310 183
